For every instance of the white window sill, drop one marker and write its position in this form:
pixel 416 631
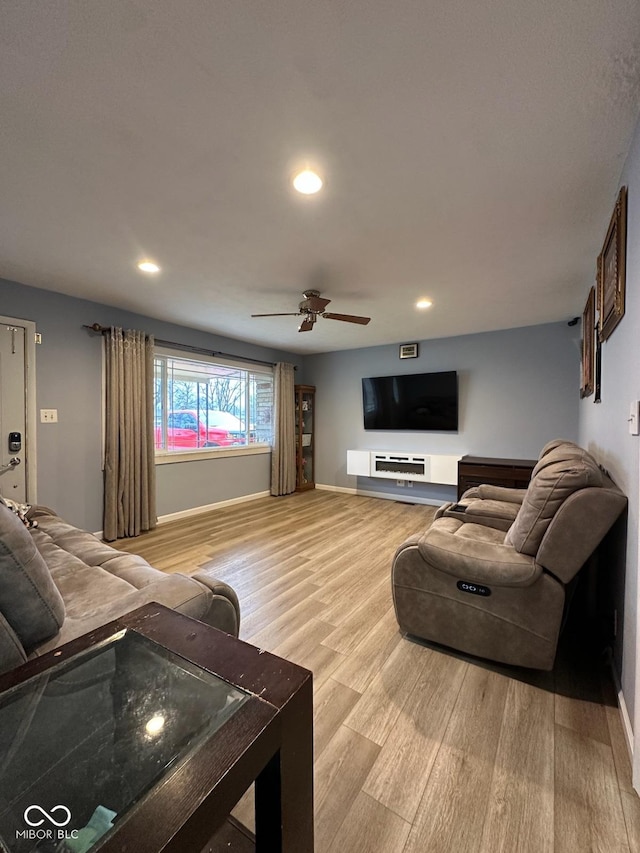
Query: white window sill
pixel 168 458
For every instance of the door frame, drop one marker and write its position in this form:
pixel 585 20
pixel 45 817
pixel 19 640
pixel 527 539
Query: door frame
pixel 31 466
pixel 635 738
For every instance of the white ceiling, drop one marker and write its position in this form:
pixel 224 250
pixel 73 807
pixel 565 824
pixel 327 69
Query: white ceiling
pixel 471 148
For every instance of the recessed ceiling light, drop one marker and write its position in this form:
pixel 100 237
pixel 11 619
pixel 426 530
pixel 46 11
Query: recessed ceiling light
pixel 307 182
pixel 148 266
pixel 424 303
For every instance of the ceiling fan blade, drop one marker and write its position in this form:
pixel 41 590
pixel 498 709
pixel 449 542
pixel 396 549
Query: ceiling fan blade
pixel 316 304
pixel 348 318
pixel 306 325
pixel 286 314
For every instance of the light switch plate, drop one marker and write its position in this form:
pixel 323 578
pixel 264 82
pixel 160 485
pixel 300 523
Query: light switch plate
pixel 634 418
pixel 48 416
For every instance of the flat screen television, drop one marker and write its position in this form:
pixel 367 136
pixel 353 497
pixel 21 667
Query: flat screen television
pixel 414 401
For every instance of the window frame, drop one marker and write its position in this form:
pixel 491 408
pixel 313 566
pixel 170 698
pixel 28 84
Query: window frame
pixel 165 456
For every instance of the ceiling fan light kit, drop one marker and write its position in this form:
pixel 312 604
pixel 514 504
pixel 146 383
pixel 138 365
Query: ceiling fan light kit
pixel 312 307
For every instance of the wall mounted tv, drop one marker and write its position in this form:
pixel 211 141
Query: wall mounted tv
pixel 414 401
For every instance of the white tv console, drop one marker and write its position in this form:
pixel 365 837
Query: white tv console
pixel 398 465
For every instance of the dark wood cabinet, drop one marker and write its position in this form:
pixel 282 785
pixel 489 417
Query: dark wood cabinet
pixel 305 437
pixel 476 470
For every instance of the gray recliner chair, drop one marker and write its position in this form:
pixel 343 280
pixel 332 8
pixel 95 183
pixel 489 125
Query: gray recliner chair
pixel 467 584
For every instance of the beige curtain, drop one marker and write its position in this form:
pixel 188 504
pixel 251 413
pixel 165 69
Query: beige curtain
pixel 283 455
pixel 129 470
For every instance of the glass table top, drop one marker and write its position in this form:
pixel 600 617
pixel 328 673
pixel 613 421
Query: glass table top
pixel 82 743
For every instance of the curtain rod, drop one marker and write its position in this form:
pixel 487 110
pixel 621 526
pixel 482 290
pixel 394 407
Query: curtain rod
pixel 101 330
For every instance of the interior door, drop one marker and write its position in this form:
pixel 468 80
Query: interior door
pixel 13 413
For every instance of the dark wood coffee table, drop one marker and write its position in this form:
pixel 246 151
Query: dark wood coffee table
pixel 165 722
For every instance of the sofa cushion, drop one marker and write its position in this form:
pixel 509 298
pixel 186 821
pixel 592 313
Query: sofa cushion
pixel 67 549
pixel 29 599
pixel 553 481
pixel 473 552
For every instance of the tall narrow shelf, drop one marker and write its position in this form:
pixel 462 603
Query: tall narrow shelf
pixel 305 437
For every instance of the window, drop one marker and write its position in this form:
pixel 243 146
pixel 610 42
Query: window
pixel 201 403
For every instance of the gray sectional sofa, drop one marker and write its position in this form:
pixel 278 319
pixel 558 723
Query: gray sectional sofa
pixel 58 582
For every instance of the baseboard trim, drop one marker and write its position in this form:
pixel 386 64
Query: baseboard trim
pixel 198 510
pixel 624 713
pixel 342 489
pixel 407 499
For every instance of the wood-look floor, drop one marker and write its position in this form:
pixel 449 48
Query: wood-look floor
pixel 417 750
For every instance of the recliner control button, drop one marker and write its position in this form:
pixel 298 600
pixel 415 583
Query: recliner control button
pixel 473 588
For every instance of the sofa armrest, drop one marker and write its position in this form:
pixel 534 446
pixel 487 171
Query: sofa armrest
pixel 224 602
pixel 492 513
pixel 497 514
pixel 476 560
pixel 40 510
pixel 409 542
pixel 487 491
pixel 501 493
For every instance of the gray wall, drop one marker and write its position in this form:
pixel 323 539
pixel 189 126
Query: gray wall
pixel 69 379
pixel 184 485
pixel 604 428
pixel 518 388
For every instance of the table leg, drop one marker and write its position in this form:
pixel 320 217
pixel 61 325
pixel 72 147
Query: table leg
pixel 284 788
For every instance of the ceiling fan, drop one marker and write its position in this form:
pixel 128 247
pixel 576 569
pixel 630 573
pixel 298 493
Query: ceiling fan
pixel 312 307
